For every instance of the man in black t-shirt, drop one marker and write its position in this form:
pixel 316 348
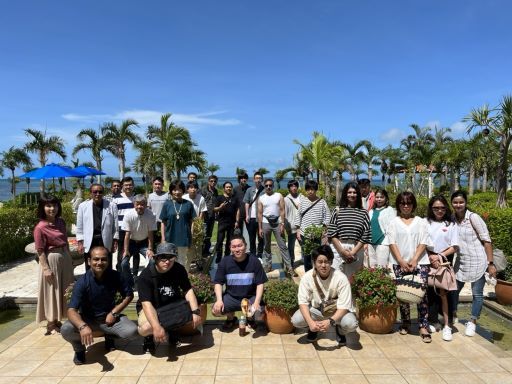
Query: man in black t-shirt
pixel 244 277
pixel 172 284
pixel 227 211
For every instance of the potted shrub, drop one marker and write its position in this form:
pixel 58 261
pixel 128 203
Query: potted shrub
pixel 312 238
pixel 374 291
pixel 204 290
pixel 280 298
pixel 503 287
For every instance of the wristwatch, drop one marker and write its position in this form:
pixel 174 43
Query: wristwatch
pixel 332 321
pixel 115 314
pixel 196 311
pixel 490 263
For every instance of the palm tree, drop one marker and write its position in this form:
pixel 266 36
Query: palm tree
pixel 147 162
pixel 371 157
pixel 499 121
pixel 240 171
pixel 95 143
pixel 280 174
pixel 418 149
pixel 12 159
pixel 262 170
pixel 355 157
pixel 211 168
pixel 43 146
pixel 116 137
pixel 441 139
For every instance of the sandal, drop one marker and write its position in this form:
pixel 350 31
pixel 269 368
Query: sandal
pixel 426 338
pixel 230 324
pixel 52 328
pixel 403 330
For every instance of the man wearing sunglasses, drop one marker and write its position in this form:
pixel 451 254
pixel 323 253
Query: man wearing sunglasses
pixel 96 224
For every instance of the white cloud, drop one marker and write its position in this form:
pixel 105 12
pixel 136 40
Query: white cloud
pixel 433 124
pixel 392 135
pixel 146 117
pixel 459 127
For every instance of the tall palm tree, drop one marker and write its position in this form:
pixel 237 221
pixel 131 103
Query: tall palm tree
pixel 370 157
pixel 147 162
pixel 240 171
pixel 280 174
pixel 499 121
pixel 441 139
pixel 211 168
pixel 94 142
pixel 12 159
pixel 43 146
pixel 355 157
pixel 116 138
pixel 418 151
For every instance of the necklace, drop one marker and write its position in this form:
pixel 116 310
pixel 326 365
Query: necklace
pixel 177 212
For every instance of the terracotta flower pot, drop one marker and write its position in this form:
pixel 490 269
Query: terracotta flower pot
pixel 378 320
pixel 278 321
pixel 503 291
pixel 188 329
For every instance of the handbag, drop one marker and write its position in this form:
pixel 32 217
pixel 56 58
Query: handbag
pixel 442 277
pixel 175 314
pixel 327 307
pixel 498 257
pixel 410 289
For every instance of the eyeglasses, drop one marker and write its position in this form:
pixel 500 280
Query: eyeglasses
pixel 406 203
pixel 165 257
pixel 439 208
pixel 97 192
pixel 269 186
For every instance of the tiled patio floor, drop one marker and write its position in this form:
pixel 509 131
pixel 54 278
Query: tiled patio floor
pixel 217 357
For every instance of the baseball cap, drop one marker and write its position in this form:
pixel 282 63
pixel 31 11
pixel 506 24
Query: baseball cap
pixel 166 249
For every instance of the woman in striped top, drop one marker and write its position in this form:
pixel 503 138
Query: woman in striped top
pixel 349 230
pixel 313 210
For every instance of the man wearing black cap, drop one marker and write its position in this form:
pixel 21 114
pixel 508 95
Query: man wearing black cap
pixel 160 284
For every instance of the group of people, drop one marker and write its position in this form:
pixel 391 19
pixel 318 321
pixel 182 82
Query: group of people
pixel 362 231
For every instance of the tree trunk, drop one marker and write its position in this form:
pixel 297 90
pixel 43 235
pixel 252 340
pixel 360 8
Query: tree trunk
pixel 13 188
pixel 471 180
pixel 165 173
pixel 41 187
pixel 484 180
pixel 121 167
pixel 430 185
pixel 502 171
pixel 479 183
pixel 338 187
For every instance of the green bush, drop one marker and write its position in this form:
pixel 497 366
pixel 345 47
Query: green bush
pixel 16 226
pixel 281 294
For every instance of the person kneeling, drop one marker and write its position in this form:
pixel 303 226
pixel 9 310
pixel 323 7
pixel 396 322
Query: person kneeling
pixel 93 307
pixel 161 306
pixel 244 277
pixel 325 299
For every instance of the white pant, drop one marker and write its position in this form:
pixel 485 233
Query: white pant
pixel 347 323
pixel 378 255
pixel 339 263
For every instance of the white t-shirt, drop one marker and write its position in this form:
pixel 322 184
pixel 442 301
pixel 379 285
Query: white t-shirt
pixel 198 202
pixel 139 225
pixel 291 209
pixel 443 236
pixel 270 205
pixel 335 286
pixel 408 237
pixel 156 203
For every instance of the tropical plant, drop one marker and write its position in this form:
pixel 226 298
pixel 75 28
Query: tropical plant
pixel 203 287
pixel 116 138
pixel 374 287
pixel 499 121
pixel 43 146
pixel 212 168
pixel 281 295
pixel 354 157
pixel 94 142
pixel 12 159
pixel 312 238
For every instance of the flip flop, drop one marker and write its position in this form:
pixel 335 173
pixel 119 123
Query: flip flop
pixel 426 338
pixel 403 330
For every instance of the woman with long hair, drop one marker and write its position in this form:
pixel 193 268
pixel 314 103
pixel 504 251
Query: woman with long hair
pixel 474 256
pixel 349 230
pixel 55 264
pixel 444 236
pixel 408 239
pixel 380 216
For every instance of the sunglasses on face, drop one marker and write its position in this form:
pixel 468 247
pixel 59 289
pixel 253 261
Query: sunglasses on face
pixel 97 192
pixel 165 257
pixel 269 186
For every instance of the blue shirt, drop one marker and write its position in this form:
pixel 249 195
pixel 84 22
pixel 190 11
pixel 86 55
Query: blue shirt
pixel 177 218
pixel 95 298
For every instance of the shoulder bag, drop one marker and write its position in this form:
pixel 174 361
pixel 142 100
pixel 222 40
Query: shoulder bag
pixel 328 306
pixel 498 257
pixel 442 277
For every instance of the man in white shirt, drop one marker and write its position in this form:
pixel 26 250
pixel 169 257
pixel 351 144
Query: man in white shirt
pixel 156 201
pixel 291 208
pixel 196 199
pixel 139 225
pixel 271 220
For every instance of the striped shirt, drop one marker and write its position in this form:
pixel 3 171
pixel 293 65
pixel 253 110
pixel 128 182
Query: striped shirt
pixel 471 262
pixel 124 204
pixel 318 215
pixel 350 224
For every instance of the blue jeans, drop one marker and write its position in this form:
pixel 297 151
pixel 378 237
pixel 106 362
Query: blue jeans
pixel 477 290
pixel 135 248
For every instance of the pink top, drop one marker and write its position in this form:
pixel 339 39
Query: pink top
pixel 48 236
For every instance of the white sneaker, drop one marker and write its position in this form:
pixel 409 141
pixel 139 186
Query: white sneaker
pixel 470 329
pixel 432 329
pixel 447 333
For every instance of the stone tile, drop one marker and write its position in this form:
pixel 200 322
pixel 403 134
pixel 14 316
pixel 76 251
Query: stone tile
pixel 347 379
pixel 385 379
pixel 129 352
pixel 446 365
pixel 431 378
pixel 3 362
pixel 31 339
pixel 291 338
pixel 192 351
pixel 12 352
pixel 40 353
pixel 309 379
pixel 506 362
pixel 233 379
pixel 162 367
pixel 157 379
pixel 264 366
pixel 227 367
pixel 128 368
pixel 41 380
pixel 3 347
pixel 376 366
pixel 481 365
pixel 463 349
pixel 370 351
pixel 119 380
pixel 195 380
pixel 269 338
pixel 11 379
pixel 335 366
pixel 81 380
pixel 19 367
pixel 331 352
pixel 387 339
pixel 51 341
pixel 461 378
pixel 494 378
pixel 268 351
pixel 300 351
pixel 54 368
pixel 191 367
pixel 90 369
pixel 398 351
pixel 411 366
pixel 300 366
pixel 234 352
pixel 271 379
pixel 234 338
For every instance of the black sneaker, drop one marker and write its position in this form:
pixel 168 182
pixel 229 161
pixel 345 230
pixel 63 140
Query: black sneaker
pixel 79 358
pixel 109 343
pixel 173 340
pixel 340 338
pixel 312 336
pixel 149 345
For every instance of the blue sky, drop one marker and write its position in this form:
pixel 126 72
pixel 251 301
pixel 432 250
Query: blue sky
pixel 247 78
